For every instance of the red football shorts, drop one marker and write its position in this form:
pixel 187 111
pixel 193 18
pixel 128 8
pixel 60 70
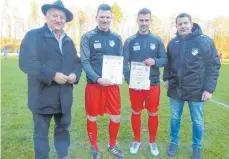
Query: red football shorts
pixel 148 99
pixel 100 100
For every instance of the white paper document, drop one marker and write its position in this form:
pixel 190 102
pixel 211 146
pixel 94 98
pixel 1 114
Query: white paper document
pixel 113 68
pixel 139 76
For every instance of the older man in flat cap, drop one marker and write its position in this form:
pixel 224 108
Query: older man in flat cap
pixel 48 57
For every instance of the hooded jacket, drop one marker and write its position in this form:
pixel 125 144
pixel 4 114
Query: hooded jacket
pixel 193 66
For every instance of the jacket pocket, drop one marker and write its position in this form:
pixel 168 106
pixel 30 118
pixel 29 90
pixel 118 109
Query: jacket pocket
pixel 50 95
pixel 172 83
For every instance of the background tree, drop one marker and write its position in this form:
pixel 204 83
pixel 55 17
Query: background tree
pixel 117 17
pixel 6 25
pixel 77 26
pixel 71 27
pixel 169 29
pixel 34 17
pixel 221 35
pixel 82 19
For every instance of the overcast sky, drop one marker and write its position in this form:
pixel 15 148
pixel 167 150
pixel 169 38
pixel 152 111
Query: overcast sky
pixel 204 9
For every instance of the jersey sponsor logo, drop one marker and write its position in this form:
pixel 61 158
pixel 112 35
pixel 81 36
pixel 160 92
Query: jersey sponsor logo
pixel 111 43
pixel 195 51
pixel 136 47
pixel 152 46
pixel 97 44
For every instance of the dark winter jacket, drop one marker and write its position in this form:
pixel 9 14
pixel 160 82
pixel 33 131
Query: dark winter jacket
pixel 193 66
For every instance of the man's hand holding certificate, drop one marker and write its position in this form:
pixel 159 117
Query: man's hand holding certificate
pixel 113 68
pixel 139 76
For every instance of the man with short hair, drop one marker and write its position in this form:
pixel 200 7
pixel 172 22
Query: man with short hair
pixel 49 58
pixel 149 49
pixel 190 75
pixel 101 95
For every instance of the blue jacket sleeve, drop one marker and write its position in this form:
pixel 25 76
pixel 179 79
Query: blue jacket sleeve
pixel 85 59
pixel 126 54
pixel 29 61
pixel 125 63
pixel 212 67
pixel 166 72
pixel 78 67
pixel 162 56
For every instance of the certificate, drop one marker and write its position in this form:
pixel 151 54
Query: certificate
pixel 113 68
pixel 139 76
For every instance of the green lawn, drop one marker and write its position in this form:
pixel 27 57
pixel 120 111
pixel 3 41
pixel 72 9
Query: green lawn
pixel 17 128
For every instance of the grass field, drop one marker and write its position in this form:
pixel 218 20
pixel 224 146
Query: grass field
pixel 17 127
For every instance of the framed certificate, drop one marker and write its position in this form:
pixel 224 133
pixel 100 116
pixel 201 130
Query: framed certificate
pixel 139 76
pixel 113 68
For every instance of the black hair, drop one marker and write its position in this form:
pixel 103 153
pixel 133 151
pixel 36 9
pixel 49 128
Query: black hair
pixel 144 11
pixel 104 7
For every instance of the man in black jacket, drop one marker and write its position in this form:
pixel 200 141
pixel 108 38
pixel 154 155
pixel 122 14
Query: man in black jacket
pixel 190 75
pixel 48 57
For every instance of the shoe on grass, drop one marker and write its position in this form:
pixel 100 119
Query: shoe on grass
pixel 153 149
pixel 196 153
pixel 172 151
pixel 115 151
pixel 135 147
pixel 94 153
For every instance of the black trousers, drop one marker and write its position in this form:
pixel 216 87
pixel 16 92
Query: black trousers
pixel 41 139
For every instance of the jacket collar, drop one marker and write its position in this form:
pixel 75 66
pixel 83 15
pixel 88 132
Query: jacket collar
pixel 196 31
pixel 143 35
pixel 102 32
pixel 61 35
pixel 46 33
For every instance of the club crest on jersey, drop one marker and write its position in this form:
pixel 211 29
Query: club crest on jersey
pixel 111 43
pixel 152 46
pixel 194 51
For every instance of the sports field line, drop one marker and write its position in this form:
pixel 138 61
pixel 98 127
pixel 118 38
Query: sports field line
pixel 219 103
pixel 212 100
